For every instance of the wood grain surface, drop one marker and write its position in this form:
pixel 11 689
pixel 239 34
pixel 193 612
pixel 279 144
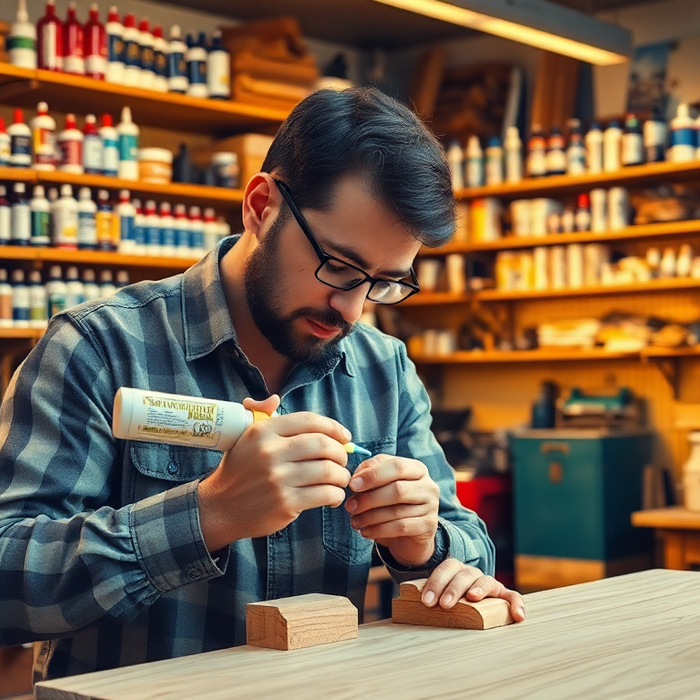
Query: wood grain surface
pixel 633 636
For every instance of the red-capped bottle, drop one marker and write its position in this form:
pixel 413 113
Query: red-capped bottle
pixel 73 57
pixel 95 47
pixel 49 31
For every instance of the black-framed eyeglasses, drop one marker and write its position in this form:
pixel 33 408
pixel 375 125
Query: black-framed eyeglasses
pixel 340 274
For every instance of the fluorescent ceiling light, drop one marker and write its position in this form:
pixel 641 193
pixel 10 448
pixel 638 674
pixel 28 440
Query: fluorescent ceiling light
pixel 536 22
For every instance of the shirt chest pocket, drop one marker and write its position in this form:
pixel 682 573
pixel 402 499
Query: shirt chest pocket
pixel 158 468
pixel 339 537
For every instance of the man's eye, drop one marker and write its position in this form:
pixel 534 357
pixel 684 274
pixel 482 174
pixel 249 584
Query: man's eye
pixel 337 268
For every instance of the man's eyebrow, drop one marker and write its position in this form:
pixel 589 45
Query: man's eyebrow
pixel 355 258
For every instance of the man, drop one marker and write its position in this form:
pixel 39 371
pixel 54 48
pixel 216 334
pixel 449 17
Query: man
pixel 124 552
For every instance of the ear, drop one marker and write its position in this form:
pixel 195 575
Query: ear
pixel 260 201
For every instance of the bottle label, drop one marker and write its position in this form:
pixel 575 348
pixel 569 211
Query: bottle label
pixel 56 304
pixel 71 152
pixel 160 63
pixel 49 58
pixel 167 236
pixel 21 42
pixel 5 224
pixel 197 72
pixel 632 149
pixel 92 154
pixel 197 238
pixel 21 225
pixel 87 230
pixel 128 147
pixel 20 313
pixel 74 64
pixel 218 74
pixel 537 163
pixel 182 237
pixel 139 234
pixel 95 65
pixel 115 48
pixel 556 161
pixel 126 228
pixel 4 149
pixel 683 137
pixel 152 235
pixel 6 306
pixel 103 224
pixel 147 58
pixel 21 150
pixel 110 156
pixel 132 53
pixel 41 228
pixel 37 312
pixel 177 68
pixel 44 142
pixel 66 228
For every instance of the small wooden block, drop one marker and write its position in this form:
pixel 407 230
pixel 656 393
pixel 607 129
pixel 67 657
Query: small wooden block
pixel 300 621
pixel 408 609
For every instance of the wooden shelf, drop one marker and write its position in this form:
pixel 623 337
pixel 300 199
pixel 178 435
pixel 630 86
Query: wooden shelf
pixel 511 356
pixel 92 257
pixel 70 93
pixel 435 298
pixel 21 333
pixel 632 176
pixel 218 197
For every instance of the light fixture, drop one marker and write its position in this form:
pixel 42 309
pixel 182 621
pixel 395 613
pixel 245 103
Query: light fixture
pixel 542 24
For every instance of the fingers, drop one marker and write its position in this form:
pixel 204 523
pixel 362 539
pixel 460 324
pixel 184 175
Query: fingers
pixel 382 469
pixel 317 472
pixel 306 422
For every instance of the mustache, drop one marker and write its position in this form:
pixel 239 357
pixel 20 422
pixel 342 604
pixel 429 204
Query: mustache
pixel 329 317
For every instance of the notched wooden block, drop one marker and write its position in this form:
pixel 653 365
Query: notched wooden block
pixel 300 621
pixel 408 609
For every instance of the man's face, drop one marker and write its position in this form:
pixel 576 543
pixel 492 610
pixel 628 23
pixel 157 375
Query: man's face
pixel 301 317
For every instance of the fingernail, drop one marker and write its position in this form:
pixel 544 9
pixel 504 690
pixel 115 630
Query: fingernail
pixel 521 611
pixel 357 483
pixel 351 505
pixel 476 591
pixel 429 598
pixel 347 434
pixel 447 598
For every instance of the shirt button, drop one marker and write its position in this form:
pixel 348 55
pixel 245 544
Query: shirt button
pixel 194 573
pixel 172 467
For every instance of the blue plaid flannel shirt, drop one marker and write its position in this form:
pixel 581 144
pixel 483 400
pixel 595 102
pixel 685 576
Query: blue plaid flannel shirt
pixel 102 558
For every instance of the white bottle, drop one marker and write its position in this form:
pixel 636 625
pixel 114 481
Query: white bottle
pixel 128 147
pixel 107 288
pixel 21 43
pixel 211 229
pixel 594 149
pixel 70 144
pixel 87 229
pixel 90 289
pixel 167 230
pixel 152 225
pixel 147 78
pixel 74 288
pixel 514 155
pixel 40 212
pixel 92 147
pixel 110 147
pixel 65 220
pixel 196 60
pixel 5 217
pixel 55 292
pixel 177 66
pixel 20 300
pixel 182 232
pixel 114 35
pixel 684 261
pixel 38 311
pixel 667 267
pixel 139 229
pixel 5 148
pixel 454 158
pixel 5 300
pixel 126 212
pixel 218 69
pixel 20 142
pixel 494 161
pixel 160 60
pixel 196 233
pixel 474 169
pixel 612 147
pixel 122 279
pixel 683 136
pixel 132 52
pixel 21 218
pixel 52 196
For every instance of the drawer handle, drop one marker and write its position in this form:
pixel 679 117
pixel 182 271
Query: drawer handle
pixel 562 447
pixel 556 472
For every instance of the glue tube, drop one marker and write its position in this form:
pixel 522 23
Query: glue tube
pixel 153 416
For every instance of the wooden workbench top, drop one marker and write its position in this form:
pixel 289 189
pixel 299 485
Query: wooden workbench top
pixel 673 518
pixel 633 636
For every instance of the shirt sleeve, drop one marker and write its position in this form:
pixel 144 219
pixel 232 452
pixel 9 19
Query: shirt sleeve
pixel 461 533
pixel 71 553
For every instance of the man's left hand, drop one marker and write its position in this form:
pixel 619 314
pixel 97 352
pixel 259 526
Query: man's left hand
pixel 396 504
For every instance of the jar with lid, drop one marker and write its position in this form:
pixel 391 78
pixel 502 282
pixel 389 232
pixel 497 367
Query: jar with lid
pixel 226 169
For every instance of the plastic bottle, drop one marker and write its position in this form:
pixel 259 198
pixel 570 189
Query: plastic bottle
pixel 514 155
pixel 150 416
pixel 196 60
pixel 52 196
pixel 92 147
pixel 454 158
pixel 70 146
pixel 95 45
pixel 196 232
pixel 146 56
pixel 103 222
pixel 110 146
pixel 556 152
pixel 182 232
pixel 43 139
pixel 20 300
pixel 655 136
pixel 683 139
pixel 494 161
pixel 87 226
pixel 5 217
pixel 132 52
pixel 139 229
pixel 74 288
pixel 218 69
pixel 125 212
pixel 177 66
pixel 40 214
pixel 632 142
pixel 582 220
pixel 55 291
pixel 38 307
pixel 20 142
pixel 90 289
pixel 536 163
pixel 49 31
pixel 122 279
pixel 114 37
pixel 21 42
pixel 5 300
pixel 211 229
pixel 167 230
pixel 20 216
pixel 4 145
pixel 73 43
pixel 152 229
pixel 128 147
pixel 160 60
pixel 612 147
pixel 107 288
pixel 474 157
pixel 575 149
pixel 594 149
pixel 65 220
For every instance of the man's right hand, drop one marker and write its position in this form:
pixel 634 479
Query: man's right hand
pixel 277 469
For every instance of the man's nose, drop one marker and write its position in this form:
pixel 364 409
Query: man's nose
pixel 349 303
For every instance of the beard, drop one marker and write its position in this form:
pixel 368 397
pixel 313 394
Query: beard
pixel 265 295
